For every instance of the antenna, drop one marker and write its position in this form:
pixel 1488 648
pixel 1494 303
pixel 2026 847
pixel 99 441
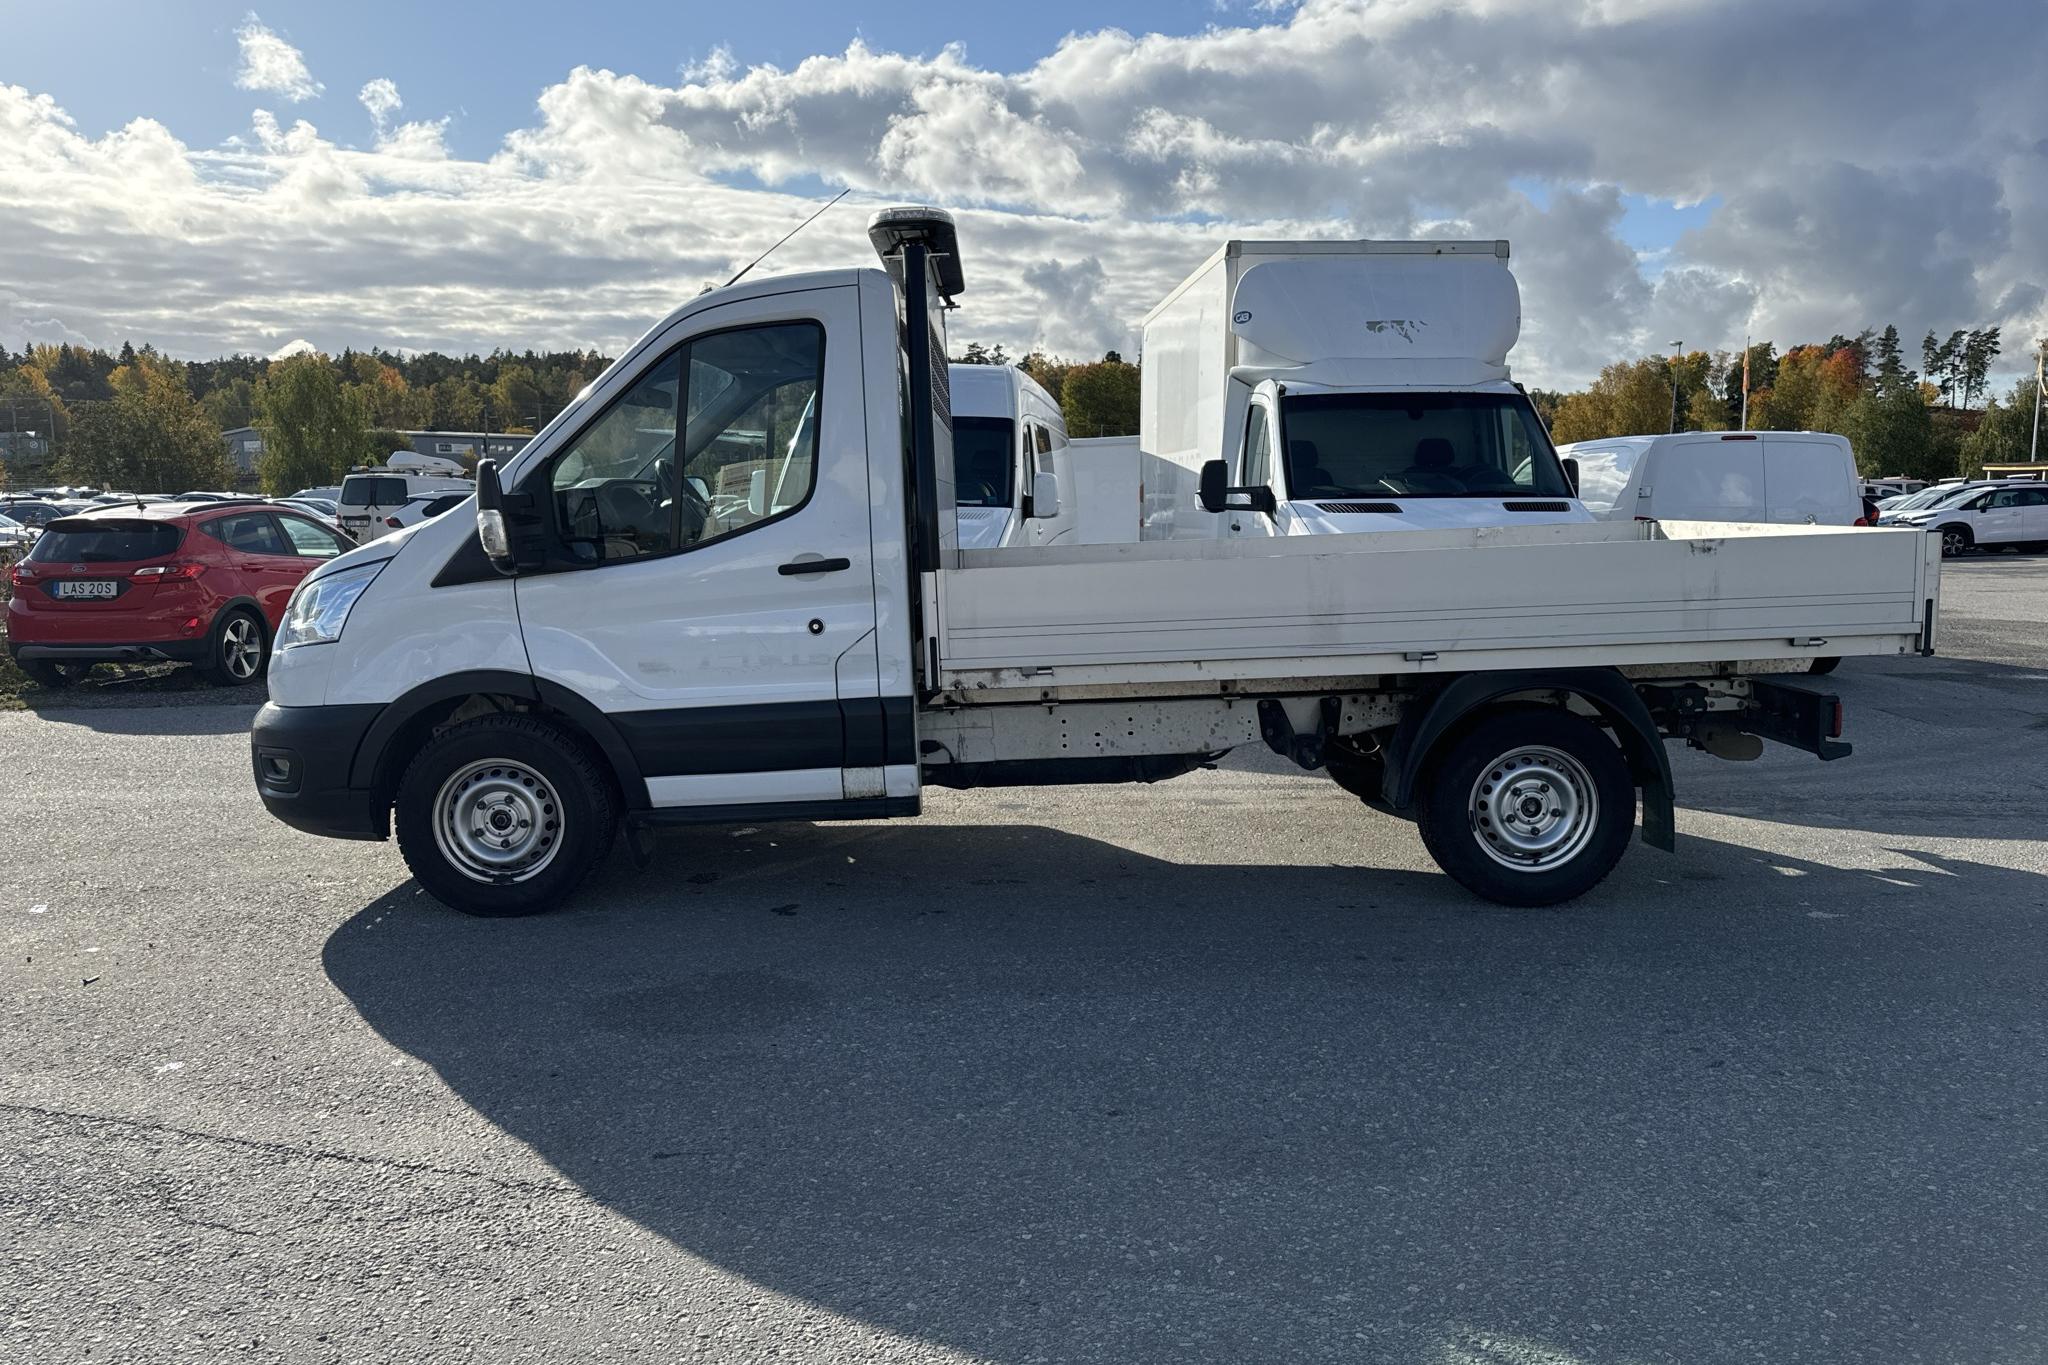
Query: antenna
pixel 787 235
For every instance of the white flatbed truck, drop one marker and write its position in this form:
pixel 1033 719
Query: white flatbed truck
pixel 759 610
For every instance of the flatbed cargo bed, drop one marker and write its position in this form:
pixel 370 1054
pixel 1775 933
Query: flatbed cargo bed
pixel 1018 623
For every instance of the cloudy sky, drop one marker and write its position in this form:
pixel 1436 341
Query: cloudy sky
pixel 532 174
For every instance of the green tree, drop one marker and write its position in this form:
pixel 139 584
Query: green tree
pixel 1101 399
pixel 1049 371
pixel 313 426
pixel 232 404
pixel 2005 435
pixel 1893 433
pixel 150 437
pixel 1891 362
pixel 978 354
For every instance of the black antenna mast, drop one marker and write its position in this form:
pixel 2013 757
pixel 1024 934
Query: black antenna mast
pixel 787 235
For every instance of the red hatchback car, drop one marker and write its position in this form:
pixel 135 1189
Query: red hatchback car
pixel 198 583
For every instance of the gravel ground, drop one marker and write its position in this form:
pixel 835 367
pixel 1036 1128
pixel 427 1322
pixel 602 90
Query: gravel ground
pixel 1215 1070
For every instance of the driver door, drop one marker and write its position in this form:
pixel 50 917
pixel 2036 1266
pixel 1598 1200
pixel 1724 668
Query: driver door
pixel 721 504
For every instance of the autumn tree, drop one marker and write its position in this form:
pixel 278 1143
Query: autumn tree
pixel 1630 398
pixel 313 426
pixel 1101 399
pixel 1049 371
pixel 149 437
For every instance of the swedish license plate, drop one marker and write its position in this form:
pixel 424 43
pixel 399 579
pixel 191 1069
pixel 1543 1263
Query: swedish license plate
pixel 87 587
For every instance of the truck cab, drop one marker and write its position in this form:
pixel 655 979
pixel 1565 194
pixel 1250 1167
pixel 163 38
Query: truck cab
pixel 1314 388
pixel 1013 472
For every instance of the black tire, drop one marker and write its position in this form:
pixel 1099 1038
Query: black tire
pixel 520 762
pixel 1956 540
pixel 1826 664
pixel 1449 810
pixel 55 677
pixel 228 661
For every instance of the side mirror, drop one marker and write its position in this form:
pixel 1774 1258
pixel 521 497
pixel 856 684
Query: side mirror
pixel 1215 492
pixel 1571 473
pixel 703 488
pixel 491 530
pixel 505 526
pixel 1045 496
pixel 757 494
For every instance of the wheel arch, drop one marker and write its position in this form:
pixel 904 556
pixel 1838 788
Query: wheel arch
pixel 406 724
pixel 1440 715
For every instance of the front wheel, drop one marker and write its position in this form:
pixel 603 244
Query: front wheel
pixel 1954 541
pixel 1529 807
pixel 504 815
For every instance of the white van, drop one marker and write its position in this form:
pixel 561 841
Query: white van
pixel 370 497
pixel 1785 477
pixel 1013 476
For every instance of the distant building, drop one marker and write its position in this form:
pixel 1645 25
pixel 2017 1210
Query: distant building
pixel 456 445
pixel 245 447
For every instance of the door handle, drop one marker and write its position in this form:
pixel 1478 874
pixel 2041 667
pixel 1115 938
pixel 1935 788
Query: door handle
pixel 797 566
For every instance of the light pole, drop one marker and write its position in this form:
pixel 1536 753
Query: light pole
pixel 1674 383
pixel 2034 446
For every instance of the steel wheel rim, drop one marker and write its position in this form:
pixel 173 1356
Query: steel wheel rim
pixel 496 821
pixel 241 648
pixel 1534 808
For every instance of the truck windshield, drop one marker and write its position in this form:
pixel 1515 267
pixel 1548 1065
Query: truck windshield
pixel 1424 445
pixel 984 460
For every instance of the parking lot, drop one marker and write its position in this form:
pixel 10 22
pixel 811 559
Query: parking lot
pixel 1219 1069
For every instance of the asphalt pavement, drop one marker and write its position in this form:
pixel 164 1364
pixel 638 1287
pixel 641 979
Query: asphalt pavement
pixel 1216 1070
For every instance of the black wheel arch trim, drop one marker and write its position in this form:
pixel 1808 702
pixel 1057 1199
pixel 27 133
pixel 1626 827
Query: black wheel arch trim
pixel 365 772
pixel 1433 717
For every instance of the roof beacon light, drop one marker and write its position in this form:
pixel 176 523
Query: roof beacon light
pixel 893 229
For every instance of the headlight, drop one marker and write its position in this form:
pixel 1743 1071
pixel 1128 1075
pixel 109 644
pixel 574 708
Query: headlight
pixel 319 609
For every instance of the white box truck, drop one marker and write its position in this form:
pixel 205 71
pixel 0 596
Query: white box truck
pixel 601 648
pixel 1324 387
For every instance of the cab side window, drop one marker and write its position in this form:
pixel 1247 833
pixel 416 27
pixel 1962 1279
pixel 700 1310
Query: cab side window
pixel 1042 440
pixel 1256 469
pixel 717 437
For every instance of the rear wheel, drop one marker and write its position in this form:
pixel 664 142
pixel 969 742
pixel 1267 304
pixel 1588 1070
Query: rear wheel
pixel 1825 664
pixel 1528 807
pixel 56 677
pixel 504 815
pixel 238 650
pixel 1955 540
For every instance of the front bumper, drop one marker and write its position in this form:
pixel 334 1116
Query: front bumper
pixel 302 756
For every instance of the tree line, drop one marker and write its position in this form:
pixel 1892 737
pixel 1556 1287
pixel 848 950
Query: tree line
pixel 1096 398
pixel 141 422
pixel 1899 420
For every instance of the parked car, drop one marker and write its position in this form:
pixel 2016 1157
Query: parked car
pixel 14 535
pixel 41 513
pixel 197 583
pixel 368 500
pixel 418 508
pixel 327 493
pixel 1785 477
pixel 2010 514
pixel 324 508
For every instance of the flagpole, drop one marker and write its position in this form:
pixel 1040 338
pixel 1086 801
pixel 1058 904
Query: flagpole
pixel 2034 447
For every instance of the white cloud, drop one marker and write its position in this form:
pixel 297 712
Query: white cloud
pixel 1090 179
pixel 272 65
pixel 380 97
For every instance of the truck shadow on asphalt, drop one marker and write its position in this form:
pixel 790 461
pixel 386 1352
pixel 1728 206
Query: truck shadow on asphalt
pixel 1028 1095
